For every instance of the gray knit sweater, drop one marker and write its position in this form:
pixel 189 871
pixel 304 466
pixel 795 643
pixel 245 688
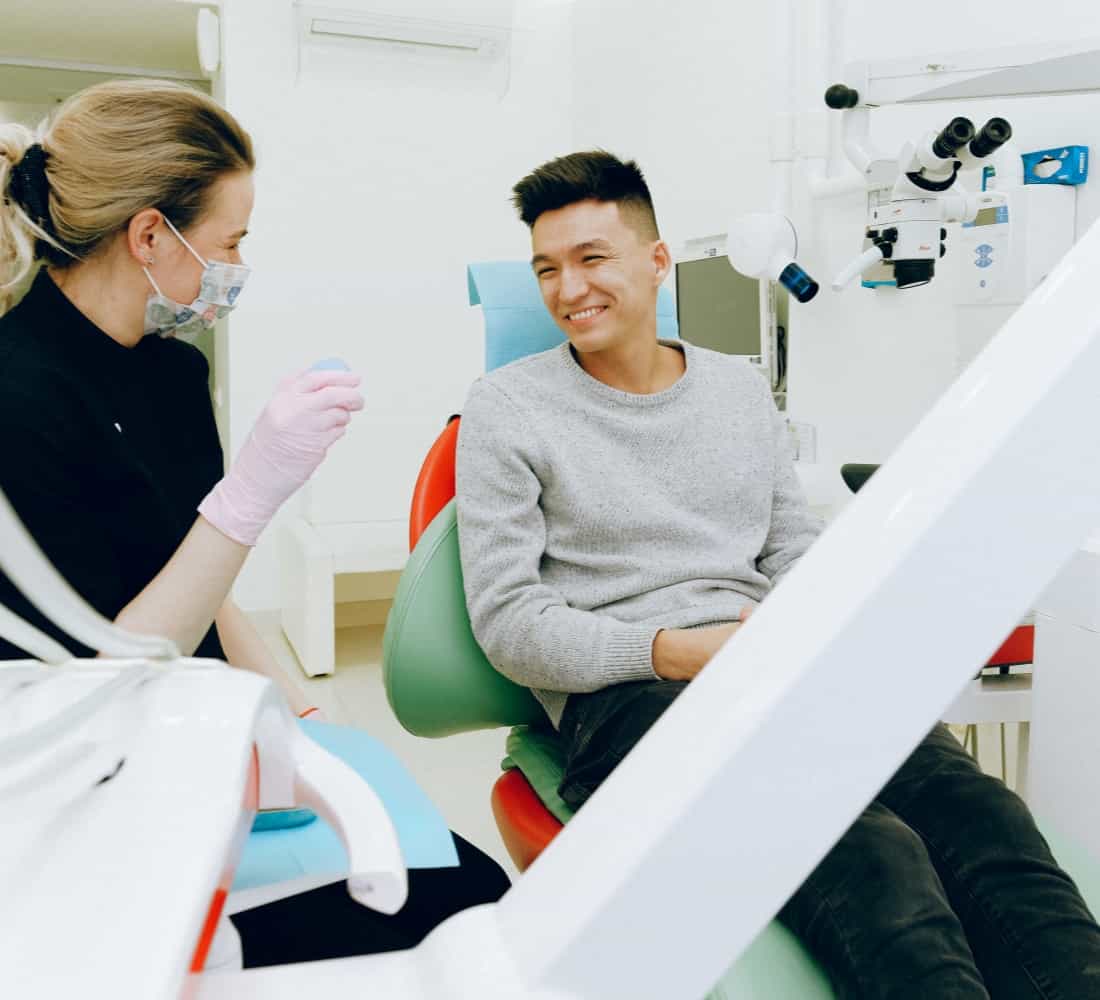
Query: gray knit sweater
pixel 589 518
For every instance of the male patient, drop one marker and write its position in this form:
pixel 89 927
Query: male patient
pixel 623 504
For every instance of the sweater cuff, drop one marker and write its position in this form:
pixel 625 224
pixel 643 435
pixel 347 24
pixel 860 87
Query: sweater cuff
pixel 628 654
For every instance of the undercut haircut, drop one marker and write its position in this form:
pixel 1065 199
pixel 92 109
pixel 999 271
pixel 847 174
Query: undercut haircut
pixel 591 175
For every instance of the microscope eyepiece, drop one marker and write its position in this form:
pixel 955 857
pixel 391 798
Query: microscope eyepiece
pixel 994 134
pixel 956 133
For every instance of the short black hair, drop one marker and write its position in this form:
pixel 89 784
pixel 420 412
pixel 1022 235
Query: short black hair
pixel 594 174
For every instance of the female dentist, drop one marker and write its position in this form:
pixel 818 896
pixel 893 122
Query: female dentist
pixel 136 197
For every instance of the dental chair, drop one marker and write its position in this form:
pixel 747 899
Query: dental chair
pixel 439 682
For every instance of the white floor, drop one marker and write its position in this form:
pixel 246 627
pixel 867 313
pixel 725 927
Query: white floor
pixel 457 773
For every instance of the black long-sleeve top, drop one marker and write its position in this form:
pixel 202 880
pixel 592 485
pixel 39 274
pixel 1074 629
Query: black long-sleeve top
pixel 105 452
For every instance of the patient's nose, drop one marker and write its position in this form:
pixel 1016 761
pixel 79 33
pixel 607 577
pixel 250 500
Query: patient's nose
pixel 574 284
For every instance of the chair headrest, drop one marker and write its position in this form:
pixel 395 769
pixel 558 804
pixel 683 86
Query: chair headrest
pixel 516 320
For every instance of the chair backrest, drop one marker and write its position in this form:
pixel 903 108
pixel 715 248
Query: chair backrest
pixel 435 486
pixel 437 679
pixel 516 320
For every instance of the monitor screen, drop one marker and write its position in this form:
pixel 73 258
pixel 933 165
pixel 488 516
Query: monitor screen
pixel 718 308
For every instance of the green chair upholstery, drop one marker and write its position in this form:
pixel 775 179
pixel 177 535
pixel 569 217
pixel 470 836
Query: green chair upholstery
pixel 537 753
pixel 437 679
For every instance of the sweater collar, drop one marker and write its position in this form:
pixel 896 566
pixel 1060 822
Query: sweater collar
pixel 600 390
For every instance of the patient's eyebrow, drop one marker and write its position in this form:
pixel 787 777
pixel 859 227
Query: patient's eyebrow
pixel 542 258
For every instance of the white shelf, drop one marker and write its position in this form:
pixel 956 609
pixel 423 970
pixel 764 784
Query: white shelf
pixel 1016 71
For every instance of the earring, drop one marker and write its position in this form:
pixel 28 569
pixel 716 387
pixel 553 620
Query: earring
pixel 148 260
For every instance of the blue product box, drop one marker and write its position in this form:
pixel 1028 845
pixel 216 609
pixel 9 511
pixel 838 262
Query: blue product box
pixel 1060 165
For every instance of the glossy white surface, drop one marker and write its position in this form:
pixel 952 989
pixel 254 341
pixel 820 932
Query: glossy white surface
pixel 105 884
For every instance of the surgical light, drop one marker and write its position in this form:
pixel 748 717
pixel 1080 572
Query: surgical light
pixel 764 245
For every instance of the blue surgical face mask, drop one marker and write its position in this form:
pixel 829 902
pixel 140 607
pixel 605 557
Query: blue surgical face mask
pixel 218 291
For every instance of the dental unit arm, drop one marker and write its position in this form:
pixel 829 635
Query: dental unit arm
pixel 295 771
pixel 136 776
pixel 911 197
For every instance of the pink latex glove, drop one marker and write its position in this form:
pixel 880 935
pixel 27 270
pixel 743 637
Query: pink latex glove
pixel 308 412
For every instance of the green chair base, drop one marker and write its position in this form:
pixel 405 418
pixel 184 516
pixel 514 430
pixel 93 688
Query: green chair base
pixel 775 966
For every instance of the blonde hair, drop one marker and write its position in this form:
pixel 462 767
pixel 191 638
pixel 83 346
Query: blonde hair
pixel 110 152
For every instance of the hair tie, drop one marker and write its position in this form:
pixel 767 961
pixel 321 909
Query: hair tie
pixel 29 187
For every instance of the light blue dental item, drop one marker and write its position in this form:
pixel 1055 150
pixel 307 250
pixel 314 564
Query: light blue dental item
pixel 287 853
pixel 282 819
pixel 330 365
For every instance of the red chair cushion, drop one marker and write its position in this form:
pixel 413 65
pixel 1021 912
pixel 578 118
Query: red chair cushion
pixel 435 486
pixel 526 825
pixel 1016 649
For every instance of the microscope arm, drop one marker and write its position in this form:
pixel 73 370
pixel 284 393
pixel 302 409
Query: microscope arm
pixel 856 267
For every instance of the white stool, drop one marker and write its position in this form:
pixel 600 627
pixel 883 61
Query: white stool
pixel 311 557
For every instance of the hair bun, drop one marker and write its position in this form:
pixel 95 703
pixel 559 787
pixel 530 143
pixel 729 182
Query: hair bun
pixel 29 187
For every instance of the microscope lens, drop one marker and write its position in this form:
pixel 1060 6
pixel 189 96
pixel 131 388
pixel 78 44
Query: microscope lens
pixel 798 283
pixel 958 132
pixel 994 134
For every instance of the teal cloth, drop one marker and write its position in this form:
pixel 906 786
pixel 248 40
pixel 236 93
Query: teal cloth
pixel 282 819
pixel 315 849
pixel 516 320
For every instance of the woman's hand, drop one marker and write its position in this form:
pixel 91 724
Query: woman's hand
pixel 306 415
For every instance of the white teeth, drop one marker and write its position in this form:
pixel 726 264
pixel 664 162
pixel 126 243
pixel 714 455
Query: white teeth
pixel 586 313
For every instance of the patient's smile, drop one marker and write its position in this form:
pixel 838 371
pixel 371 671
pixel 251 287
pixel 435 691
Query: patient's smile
pixel 585 314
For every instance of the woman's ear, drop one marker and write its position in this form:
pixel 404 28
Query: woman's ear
pixel 142 234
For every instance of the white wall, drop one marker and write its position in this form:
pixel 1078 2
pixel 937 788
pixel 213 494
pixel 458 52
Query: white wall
pixel 371 199
pixel 688 94
pixel 29 113
pixel 684 91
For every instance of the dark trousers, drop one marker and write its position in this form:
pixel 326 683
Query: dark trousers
pixel 327 923
pixel 942 889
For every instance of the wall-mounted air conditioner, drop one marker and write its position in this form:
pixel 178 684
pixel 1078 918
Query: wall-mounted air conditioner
pixel 355 44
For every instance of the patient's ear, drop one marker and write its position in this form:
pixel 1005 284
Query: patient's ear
pixel 662 261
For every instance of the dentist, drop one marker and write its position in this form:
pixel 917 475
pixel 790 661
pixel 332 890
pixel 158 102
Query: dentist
pixel 135 199
pixel 125 217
